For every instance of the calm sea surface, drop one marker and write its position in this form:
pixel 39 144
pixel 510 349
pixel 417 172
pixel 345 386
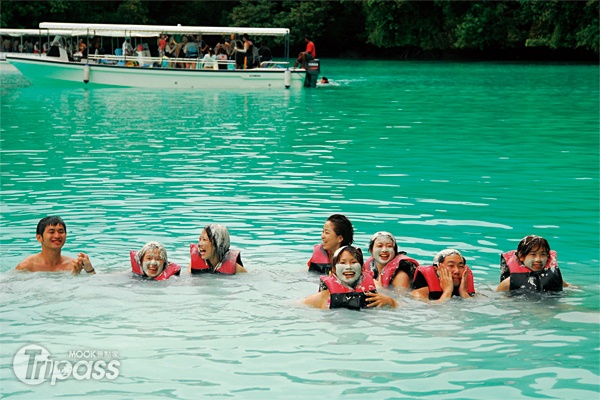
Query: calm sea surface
pixel 467 155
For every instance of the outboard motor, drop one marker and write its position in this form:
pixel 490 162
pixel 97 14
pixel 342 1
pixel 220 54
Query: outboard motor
pixel 313 69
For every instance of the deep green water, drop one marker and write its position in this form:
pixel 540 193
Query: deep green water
pixel 466 155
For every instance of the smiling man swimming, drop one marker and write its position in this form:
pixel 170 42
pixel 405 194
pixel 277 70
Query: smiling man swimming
pixel 51 232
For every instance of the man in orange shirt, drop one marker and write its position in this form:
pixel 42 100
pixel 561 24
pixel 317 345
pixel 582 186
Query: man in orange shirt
pixel 308 54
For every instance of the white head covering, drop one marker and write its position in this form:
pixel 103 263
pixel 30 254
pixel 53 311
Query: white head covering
pixel 152 246
pixel 439 257
pixel 219 237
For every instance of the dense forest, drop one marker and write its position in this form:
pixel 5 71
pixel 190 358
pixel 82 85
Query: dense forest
pixel 517 29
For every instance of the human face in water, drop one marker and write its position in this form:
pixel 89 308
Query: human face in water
pixel 54 237
pixel 205 246
pixel 455 264
pixel 536 259
pixel 152 263
pixel 348 269
pixel 383 250
pixel 331 240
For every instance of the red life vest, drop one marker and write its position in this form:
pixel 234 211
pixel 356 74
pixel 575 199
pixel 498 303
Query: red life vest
pixel 521 277
pixel 342 296
pixel 172 268
pixel 227 267
pixel 433 282
pixel 391 268
pixel 319 261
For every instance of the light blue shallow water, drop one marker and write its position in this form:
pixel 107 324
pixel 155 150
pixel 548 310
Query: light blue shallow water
pixel 466 155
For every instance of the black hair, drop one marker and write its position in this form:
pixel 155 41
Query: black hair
pixel 49 221
pixel 528 243
pixel 342 227
pixel 355 251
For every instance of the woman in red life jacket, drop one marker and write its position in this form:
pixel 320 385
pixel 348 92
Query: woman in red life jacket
pixel 448 276
pixel 337 232
pixel 347 286
pixel 212 253
pixel 532 267
pixel 389 267
pixel 151 262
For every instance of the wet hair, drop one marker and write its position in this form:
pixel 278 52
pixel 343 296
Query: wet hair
pixel 441 256
pixel 355 251
pixel 152 246
pixel 342 227
pixel 219 237
pixel 52 220
pixel 382 234
pixel 528 243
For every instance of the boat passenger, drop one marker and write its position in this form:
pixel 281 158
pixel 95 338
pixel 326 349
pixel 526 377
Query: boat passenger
pixel 348 286
pixel 127 48
pixel 57 43
pixel 203 45
pixel 448 276
pixel 7 45
pixel 51 232
pixel 222 58
pixel 337 232
pixel 152 262
pixel 190 49
pixel 308 54
pixel 162 44
pixel 264 53
pixel 212 253
pixel 209 61
pixel 238 54
pixel 82 48
pixel 532 267
pixel 170 52
pixel 388 266
pixel 248 52
pixel 228 46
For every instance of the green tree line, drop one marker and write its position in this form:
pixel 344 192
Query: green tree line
pixel 351 27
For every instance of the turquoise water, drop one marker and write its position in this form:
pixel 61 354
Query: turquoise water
pixel 466 155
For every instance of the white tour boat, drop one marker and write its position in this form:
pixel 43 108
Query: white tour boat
pixel 143 70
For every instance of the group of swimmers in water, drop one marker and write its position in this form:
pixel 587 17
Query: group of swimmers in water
pixel 347 280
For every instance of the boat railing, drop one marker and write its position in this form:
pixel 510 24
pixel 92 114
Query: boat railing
pixel 172 62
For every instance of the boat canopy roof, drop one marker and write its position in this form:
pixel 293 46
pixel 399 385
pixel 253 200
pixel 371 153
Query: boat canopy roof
pixel 31 32
pixel 155 30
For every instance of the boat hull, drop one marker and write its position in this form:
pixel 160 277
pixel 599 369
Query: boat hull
pixel 45 70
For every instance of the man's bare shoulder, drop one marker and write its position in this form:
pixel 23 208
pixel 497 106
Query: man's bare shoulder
pixel 38 263
pixel 29 263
